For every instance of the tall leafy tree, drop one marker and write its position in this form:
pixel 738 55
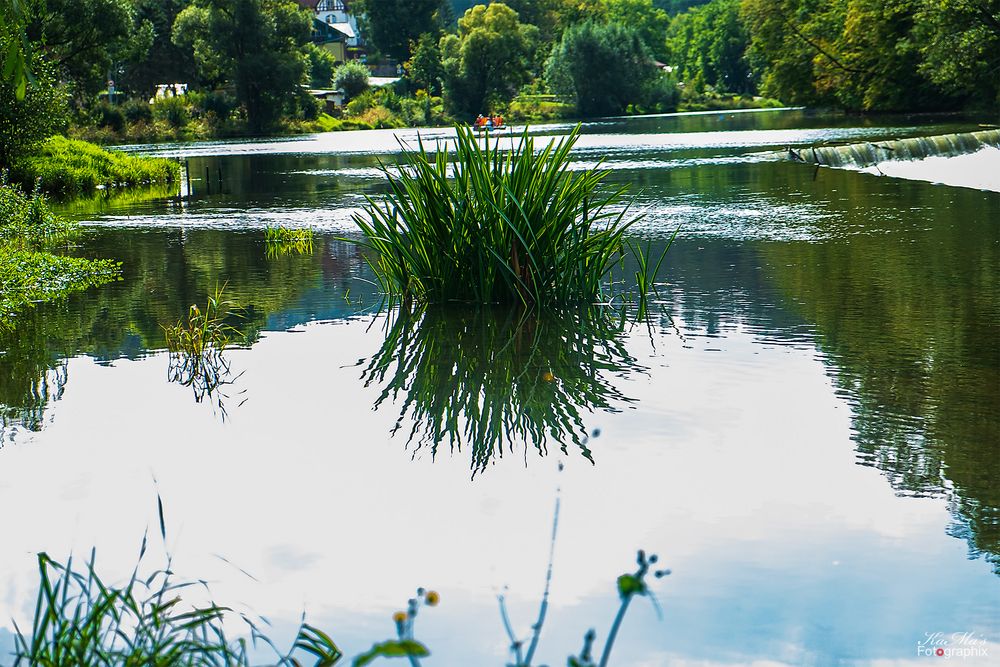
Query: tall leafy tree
pixel 87 39
pixel 490 58
pixel 708 46
pixel 392 24
pixel 254 45
pixel 165 62
pixel 603 68
pixel 650 22
pixel 26 121
pixel 959 42
pixel 424 67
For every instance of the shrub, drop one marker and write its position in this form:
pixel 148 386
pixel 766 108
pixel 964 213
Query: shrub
pixel 137 111
pixel 172 110
pixel 361 103
pixel 381 118
pixel 494 227
pixel 105 114
pixel 352 78
pixel 26 123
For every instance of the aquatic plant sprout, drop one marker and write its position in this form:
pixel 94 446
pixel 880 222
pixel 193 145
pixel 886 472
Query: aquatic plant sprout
pixel 495 226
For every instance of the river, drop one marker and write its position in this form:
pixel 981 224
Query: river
pixel 806 431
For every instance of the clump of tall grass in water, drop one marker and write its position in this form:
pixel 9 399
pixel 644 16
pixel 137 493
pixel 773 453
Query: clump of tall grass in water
pixel 197 344
pixel 495 226
pixel 284 241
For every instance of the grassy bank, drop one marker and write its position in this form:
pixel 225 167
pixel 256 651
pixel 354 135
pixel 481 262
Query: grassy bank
pixel 70 167
pixel 30 271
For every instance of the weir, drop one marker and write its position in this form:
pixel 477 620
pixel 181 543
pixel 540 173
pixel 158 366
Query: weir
pixel 871 153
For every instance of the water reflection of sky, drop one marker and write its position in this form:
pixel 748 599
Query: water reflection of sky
pixel 737 459
pixel 735 466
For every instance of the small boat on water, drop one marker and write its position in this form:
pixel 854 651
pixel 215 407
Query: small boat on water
pixel 489 124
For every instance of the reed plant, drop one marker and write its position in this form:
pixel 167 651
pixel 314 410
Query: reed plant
pixel 495 225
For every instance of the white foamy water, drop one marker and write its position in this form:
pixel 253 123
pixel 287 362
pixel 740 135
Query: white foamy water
pixel 979 170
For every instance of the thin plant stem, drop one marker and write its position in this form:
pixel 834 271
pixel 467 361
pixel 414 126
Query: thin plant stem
pixel 613 633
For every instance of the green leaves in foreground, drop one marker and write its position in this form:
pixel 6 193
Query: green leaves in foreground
pixel 403 648
pixel 495 226
pixel 81 620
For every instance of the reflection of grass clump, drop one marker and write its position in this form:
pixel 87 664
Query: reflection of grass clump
pixel 284 241
pixel 491 379
pixel 196 345
pixel 494 226
pixel 29 271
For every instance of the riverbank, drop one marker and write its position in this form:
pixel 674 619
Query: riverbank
pixel 68 167
pixel 30 269
pixel 381 114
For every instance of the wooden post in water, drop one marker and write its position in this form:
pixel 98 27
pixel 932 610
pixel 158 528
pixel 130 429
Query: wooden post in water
pixel 208 181
pixel 220 178
pixel 187 176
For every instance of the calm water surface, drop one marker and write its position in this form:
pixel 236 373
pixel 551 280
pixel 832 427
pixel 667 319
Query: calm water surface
pixel 807 431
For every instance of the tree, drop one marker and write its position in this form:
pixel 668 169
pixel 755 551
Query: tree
pixel 603 68
pixel 708 45
pixel 651 23
pixel 489 59
pixel 84 39
pixel 26 122
pixel 784 39
pixel 255 45
pixel 14 48
pixel 424 67
pixel 959 41
pixel 165 62
pixel 352 78
pixel 392 24
pixel 322 65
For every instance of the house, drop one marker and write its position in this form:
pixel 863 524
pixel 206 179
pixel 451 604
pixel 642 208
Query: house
pixel 335 28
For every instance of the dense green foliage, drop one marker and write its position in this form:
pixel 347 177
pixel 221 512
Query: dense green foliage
pixel 254 44
pixel 602 68
pixel 393 24
pixel 494 226
pixel 29 272
pixel 876 54
pixel 27 121
pixel 352 78
pixel 424 68
pixel 708 45
pixel 65 166
pixel 85 39
pixel 490 58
